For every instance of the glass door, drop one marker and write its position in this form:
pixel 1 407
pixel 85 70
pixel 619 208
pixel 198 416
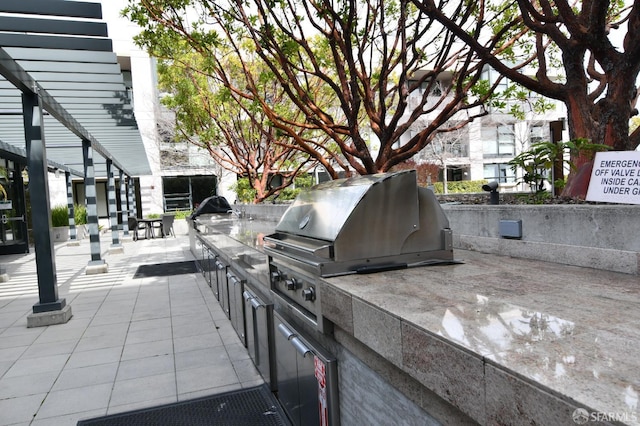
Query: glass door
pixel 13 217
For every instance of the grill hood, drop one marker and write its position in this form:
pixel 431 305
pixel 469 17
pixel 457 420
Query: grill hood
pixel 363 224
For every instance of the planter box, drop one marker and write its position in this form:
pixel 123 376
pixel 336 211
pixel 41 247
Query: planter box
pixel 596 236
pixel 180 227
pixel 60 234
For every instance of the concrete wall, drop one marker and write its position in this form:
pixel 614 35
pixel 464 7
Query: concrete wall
pixel 596 236
pixel 262 211
pixel 599 236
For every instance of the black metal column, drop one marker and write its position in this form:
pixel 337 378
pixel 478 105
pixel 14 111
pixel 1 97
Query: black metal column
pixel 557 169
pixel 123 204
pixel 73 233
pixel 111 205
pixel 132 198
pixel 40 210
pixel 92 204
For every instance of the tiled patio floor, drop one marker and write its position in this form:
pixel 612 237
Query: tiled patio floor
pixel 131 343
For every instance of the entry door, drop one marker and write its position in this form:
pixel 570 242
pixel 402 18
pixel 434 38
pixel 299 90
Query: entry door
pixel 13 220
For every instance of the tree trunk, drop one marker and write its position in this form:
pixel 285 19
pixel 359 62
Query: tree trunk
pixel 605 122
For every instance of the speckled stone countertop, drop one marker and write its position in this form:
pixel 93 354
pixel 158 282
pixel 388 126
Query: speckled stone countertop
pixel 507 341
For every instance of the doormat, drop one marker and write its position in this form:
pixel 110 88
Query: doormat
pixel 254 406
pixel 166 269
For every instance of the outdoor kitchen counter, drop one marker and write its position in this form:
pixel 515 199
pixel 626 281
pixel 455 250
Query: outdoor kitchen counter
pixel 505 340
pixel 238 241
pixel 508 341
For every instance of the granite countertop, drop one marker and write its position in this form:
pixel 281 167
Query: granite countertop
pixel 529 339
pixel 239 240
pixel 506 340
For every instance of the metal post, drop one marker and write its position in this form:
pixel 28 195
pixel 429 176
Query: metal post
pixel 557 170
pixel 123 204
pixel 97 264
pixel 132 198
pixel 73 232
pixel 116 247
pixel 40 209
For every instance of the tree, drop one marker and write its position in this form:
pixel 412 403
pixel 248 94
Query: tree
pixel 348 66
pixel 230 129
pixel 426 173
pixel 599 86
pixel 445 149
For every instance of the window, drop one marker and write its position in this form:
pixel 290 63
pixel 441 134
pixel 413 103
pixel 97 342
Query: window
pixel 499 140
pixel 537 134
pixel 499 172
pixel 491 76
pixel 184 192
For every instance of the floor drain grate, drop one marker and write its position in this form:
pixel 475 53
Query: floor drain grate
pixel 255 406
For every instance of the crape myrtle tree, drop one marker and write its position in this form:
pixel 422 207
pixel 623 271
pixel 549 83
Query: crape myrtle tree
pixel 348 66
pixel 596 44
pixel 230 128
pixel 239 78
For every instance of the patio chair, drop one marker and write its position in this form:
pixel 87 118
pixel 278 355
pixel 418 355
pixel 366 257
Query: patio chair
pixel 167 225
pixel 135 226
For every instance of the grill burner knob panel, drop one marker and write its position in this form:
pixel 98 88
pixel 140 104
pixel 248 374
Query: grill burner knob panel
pixel 309 294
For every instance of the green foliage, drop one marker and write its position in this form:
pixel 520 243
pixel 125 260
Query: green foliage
pixel 460 186
pixel 182 214
pixel 244 192
pixel 153 216
pixel 300 183
pixel 537 161
pixel 533 198
pixel 60 215
pixel 80 214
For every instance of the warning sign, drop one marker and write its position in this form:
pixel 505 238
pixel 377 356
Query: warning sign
pixel 615 177
pixel 323 404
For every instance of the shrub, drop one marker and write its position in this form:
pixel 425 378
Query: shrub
pixel 182 214
pixel 243 190
pixel 80 214
pixel 60 216
pixel 460 186
pixel 301 183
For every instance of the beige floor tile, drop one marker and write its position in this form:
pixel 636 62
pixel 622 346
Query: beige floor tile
pixel 69 419
pixel 201 378
pixel 22 409
pixel 94 357
pixel 143 367
pixel 12 387
pixel 147 349
pixel 30 366
pixel 71 378
pixel 69 401
pixel 143 389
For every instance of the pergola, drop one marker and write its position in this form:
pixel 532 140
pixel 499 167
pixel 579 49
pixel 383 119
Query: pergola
pixel 64 106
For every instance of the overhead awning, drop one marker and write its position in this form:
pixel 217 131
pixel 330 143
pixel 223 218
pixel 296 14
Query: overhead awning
pixel 61 50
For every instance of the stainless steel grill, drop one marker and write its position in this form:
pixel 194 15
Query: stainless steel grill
pixel 363 224
pixel 357 225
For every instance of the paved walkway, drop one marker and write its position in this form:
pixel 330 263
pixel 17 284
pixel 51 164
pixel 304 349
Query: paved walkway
pixel 131 343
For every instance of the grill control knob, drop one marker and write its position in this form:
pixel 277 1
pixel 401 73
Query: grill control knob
pixel 277 275
pixel 309 294
pixel 292 284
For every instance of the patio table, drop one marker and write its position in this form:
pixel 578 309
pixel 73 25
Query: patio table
pixel 149 226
